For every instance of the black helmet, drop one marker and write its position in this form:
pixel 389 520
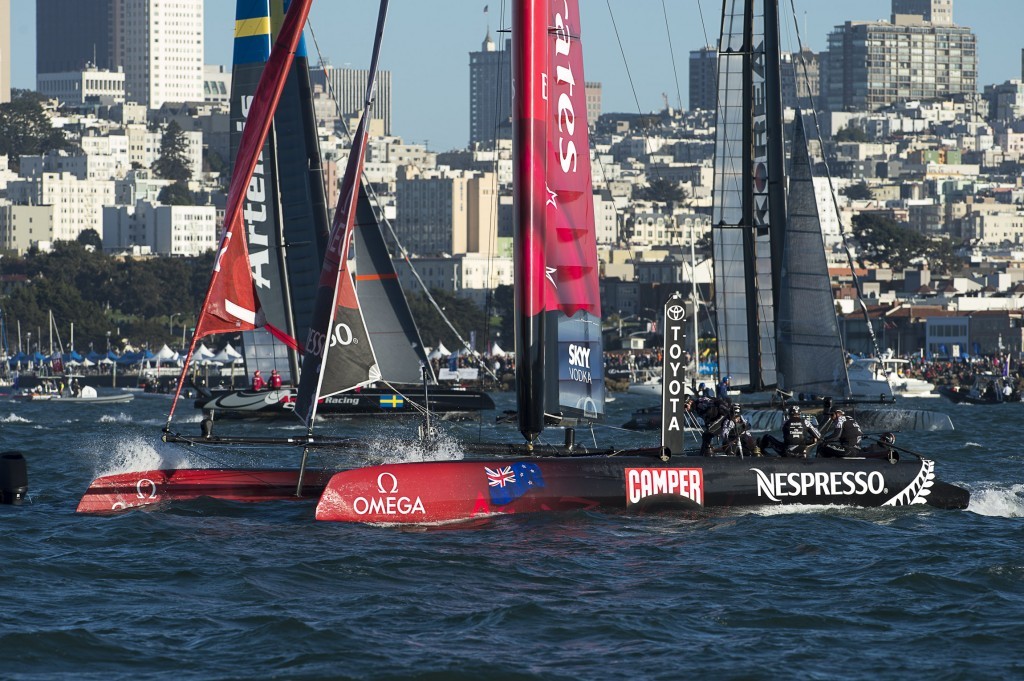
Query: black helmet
pixel 794 410
pixel 888 438
pixel 734 410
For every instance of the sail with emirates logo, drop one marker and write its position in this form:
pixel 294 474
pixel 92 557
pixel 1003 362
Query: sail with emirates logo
pixel 559 375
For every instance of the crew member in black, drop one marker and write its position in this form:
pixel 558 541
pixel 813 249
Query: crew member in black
pixel 798 434
pixel 714 414
pixel 883 449
pixel 736 437
pixel 844 440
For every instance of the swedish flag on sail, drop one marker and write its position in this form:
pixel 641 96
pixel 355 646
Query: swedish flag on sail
pixel 392 402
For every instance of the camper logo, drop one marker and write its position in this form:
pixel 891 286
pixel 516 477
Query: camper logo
pixel 644 484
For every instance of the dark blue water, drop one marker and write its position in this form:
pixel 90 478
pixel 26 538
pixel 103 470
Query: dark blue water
pixel 216 590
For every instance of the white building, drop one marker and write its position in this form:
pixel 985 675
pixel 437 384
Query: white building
pixel 216 84
pixel 160 44
pixel 165 230
pixel 82 166
pixel 90 85
pixel 77 204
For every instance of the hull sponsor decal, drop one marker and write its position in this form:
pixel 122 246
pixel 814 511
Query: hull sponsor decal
pixel 644 483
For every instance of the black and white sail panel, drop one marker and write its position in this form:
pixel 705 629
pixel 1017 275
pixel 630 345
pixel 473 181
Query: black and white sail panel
pixel 810 350
pixel 742 217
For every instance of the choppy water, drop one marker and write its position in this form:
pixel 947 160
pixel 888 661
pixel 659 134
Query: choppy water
pixel 216 590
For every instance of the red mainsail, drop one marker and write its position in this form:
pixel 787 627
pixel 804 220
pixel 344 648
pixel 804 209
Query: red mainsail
pixel 231 303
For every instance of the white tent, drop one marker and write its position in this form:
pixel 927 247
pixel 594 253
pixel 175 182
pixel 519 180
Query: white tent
pixel 439 352
pixel 165 355
pixel 497 351
pixel 226 356
pixel 203 352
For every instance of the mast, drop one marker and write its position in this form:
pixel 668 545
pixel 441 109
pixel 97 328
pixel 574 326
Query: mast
pixel 749 254
pixel 775 142
pixel 749 206
pixel 528 109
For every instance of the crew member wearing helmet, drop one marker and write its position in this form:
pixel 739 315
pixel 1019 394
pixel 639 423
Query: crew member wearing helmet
pixel 798 434
pixel 883 449
pixel 257 380
pixel 275 379
pixel 723 388
pixel 736 437
pixel 844 440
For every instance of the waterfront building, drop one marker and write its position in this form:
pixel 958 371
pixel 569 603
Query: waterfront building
pixel 163 230
pixel 78 204
pixel 447 212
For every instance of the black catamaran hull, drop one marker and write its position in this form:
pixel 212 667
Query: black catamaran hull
pixel 367 401
pixel 434 492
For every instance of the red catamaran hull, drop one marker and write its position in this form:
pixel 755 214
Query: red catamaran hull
pixel 122 491
pixel 437 492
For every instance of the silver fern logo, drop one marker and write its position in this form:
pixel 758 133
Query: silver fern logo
pixel 918 490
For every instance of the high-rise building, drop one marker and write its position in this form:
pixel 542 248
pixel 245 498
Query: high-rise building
pixel 159 43
pixel 704 78
pixel 72 34
pixel 939 12
pixel 876 64
pixel 348 87
pixel 490 92
pixel 593 102
pixel 5 50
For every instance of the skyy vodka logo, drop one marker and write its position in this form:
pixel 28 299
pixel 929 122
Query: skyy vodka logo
pixel 579 363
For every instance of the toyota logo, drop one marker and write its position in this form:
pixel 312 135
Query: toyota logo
pixel 675 313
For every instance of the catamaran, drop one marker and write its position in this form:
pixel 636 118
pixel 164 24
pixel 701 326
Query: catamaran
pixel 559 377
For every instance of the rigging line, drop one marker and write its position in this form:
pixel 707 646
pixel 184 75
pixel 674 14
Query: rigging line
pixel 375 198
pixel 672 53
pixel 832 192
pixel 629 75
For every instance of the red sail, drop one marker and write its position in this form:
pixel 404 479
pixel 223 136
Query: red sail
pixel 231 303
pixel 570 244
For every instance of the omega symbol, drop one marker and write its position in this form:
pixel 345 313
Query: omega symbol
pixel 382 487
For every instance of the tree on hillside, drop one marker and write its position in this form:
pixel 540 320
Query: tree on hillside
pixel 857 192
pixel 663 190
pixel 851 133
pixel 173 162
pixel 463 314
pixel 177 194
pixel 882 240
pixel 25 128
pixel 90 237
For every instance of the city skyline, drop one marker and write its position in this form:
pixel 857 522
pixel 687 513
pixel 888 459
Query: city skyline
pixel 431 69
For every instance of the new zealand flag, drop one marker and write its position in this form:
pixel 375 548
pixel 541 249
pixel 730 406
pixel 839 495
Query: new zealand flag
pixel 508 483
